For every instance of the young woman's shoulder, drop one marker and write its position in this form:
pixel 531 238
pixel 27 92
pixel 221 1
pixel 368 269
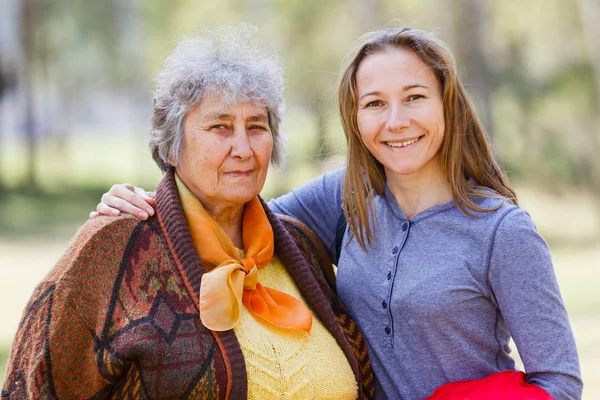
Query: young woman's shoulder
pixel 325 187
pixel 507 225
pixel 503 217
pixel 317 204
pixel 498 205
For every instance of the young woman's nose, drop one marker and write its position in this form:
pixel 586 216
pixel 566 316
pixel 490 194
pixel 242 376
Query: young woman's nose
pixel 397 119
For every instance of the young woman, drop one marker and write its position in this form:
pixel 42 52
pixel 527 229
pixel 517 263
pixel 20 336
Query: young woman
pixel 438 265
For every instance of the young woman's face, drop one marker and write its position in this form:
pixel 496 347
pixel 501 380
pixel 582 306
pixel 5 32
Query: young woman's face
pixel 400 111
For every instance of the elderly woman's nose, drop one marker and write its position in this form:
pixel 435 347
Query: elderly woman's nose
pixel 397 119
pixel 241 146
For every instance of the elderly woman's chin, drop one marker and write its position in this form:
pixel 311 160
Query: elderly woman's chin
pixel 233 187
pixel 239 189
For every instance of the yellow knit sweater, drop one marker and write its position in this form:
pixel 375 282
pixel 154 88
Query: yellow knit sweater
pixel 288 363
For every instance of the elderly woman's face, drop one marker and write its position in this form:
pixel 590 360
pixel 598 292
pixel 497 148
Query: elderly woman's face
pixel 226 152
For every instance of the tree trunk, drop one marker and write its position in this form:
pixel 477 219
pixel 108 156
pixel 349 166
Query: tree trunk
pixel 26 31
pixel 369 14
pixel 469 22
pixel 589 11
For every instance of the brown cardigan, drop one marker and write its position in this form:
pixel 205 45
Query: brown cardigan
pixel 118 316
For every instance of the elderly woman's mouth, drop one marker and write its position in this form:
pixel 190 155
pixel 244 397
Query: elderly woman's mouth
pixel 240 173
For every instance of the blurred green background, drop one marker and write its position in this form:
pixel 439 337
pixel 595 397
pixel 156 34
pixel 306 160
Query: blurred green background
pixel 75 106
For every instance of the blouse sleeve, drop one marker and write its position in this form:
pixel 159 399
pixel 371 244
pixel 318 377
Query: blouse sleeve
pixel 524 286
pixel 317 204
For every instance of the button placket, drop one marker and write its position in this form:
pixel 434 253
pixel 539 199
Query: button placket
pixel 385 304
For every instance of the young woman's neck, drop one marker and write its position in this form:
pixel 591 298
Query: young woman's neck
pixel 420 190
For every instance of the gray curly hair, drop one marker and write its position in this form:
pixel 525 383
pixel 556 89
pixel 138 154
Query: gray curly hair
pixel 229 61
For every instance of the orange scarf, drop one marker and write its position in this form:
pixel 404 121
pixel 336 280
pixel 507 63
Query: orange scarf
pixel 232 278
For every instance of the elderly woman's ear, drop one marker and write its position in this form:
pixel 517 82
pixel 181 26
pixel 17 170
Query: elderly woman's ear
pixel 172 160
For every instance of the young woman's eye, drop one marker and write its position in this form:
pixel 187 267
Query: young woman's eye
pixel 414 97
pixel 374 103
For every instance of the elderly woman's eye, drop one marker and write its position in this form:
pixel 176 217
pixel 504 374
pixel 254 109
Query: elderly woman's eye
pixel 257 128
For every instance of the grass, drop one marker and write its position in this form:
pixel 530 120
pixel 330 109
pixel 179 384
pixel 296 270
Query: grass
pixel 4 350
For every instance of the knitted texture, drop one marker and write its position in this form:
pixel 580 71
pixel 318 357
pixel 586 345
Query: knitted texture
pixel 118 316
pixel 290 363
pixel 316 253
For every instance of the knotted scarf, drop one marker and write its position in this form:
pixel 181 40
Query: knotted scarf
pixel 232 277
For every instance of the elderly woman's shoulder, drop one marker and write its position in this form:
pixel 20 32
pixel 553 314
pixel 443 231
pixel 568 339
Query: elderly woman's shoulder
pixel 106 227
pixel 98 243
pixel 91 262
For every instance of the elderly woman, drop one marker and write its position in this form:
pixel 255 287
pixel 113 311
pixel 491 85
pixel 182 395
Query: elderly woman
pixel 438 264
pixel 214 296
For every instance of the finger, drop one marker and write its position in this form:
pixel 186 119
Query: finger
pixel 118 194
pixel 94 214
pixel 121 190
pixel 137 197
pixel 147 198
pixel 111 203
pixel 103 209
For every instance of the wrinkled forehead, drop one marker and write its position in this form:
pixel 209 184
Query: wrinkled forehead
pixel 225 104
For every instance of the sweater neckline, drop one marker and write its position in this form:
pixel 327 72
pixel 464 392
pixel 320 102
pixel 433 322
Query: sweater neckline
pixel 392 203
pixel 173 219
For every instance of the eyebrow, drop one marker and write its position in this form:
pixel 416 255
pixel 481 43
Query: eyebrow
pixel 258 118
pixel 217 115
pixel 404 88
pixel 229 117
pixel 416 85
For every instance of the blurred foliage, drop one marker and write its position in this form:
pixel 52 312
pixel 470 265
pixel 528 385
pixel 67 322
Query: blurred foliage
pixel 3 359
pixel 76 79
pixel 42 214
pixel 76 98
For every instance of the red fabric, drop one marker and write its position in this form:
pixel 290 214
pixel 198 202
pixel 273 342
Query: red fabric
pixel 499 386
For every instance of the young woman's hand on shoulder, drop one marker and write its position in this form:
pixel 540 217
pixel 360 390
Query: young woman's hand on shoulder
pixel 125 198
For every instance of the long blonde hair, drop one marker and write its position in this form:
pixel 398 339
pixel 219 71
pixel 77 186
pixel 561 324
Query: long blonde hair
pixel 465 152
